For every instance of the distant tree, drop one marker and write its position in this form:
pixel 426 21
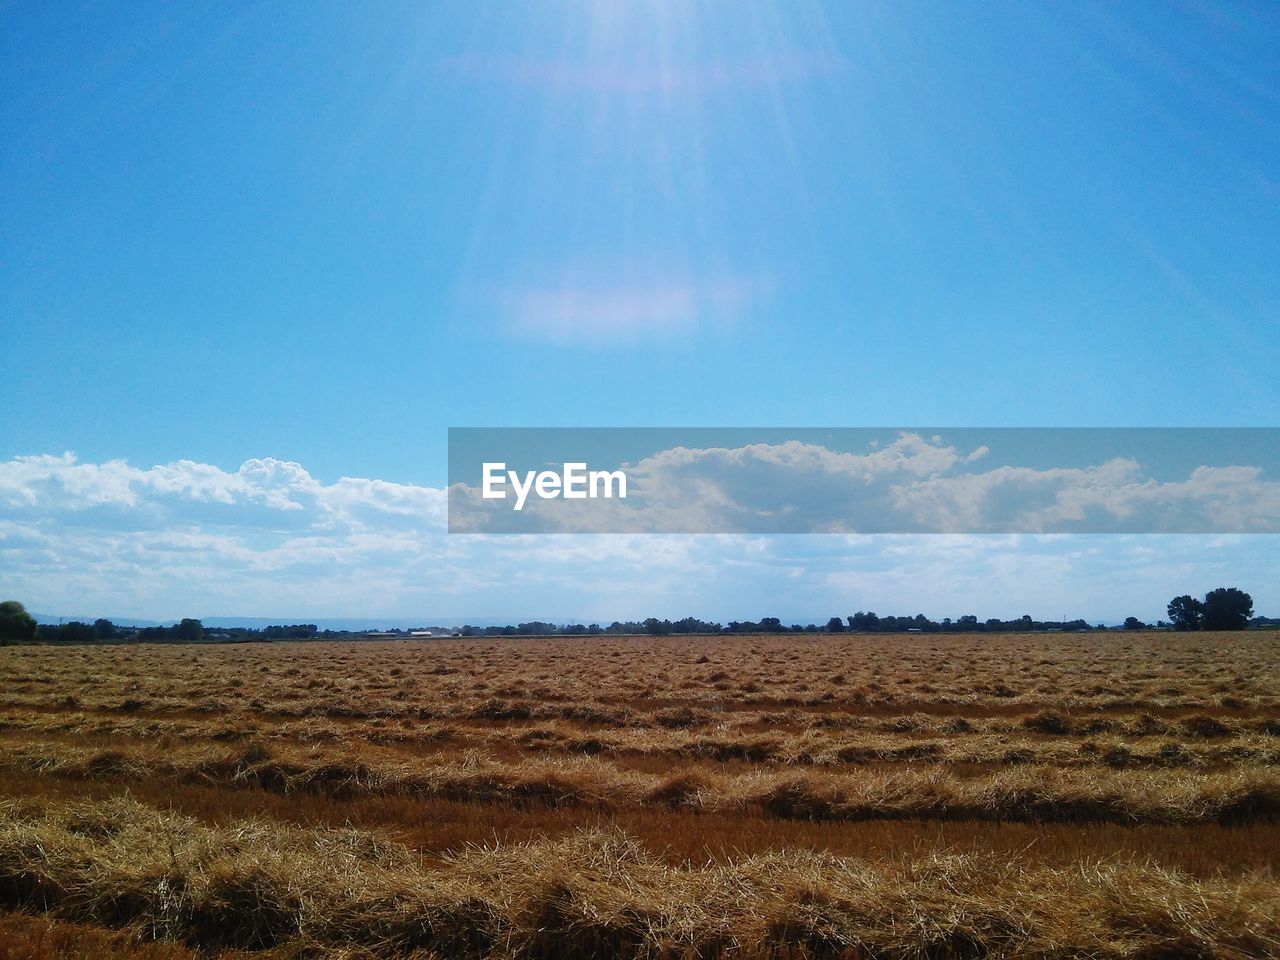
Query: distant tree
pixel 188 630
pixel 863 621
pixel 1133 623
pixel 1226 608
pixel 290 631
pixel 73 632
pixel 539 628
pixel 835 625
pixel 1186 612
pixel 16 625
pixel 104 629
pixel 78 632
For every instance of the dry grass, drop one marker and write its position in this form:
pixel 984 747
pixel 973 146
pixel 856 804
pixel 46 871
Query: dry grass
pixel 1061 795
pixel 37 937
pixel 1026 793
pixel 259 885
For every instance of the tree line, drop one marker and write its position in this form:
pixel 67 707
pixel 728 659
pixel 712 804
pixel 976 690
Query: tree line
pixel 18 626
pixel 1226 608
pixel 855 623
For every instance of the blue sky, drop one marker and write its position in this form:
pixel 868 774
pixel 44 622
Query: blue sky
pixel 325 233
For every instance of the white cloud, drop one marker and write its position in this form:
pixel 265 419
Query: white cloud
pixel 269 539
pixel 623 305
pixel 266 493
pixel 1114 496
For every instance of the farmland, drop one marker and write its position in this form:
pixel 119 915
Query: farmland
pixel 1057 795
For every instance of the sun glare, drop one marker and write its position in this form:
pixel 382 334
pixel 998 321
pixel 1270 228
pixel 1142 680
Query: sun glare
pixel 658 109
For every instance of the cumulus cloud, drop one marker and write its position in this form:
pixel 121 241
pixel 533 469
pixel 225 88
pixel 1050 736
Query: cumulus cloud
pixel 269 539
pixel 268 494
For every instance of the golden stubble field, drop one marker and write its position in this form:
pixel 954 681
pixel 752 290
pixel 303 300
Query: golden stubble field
pixel 1053 795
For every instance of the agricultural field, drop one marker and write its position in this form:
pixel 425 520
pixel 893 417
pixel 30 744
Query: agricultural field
pixel 918 796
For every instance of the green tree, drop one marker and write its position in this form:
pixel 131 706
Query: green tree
pixel 1186 612
pixel 74 632
pixel 1133 623
pixel 104 629
pixel 16 625
pixel 1226 608
pixel 188 630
